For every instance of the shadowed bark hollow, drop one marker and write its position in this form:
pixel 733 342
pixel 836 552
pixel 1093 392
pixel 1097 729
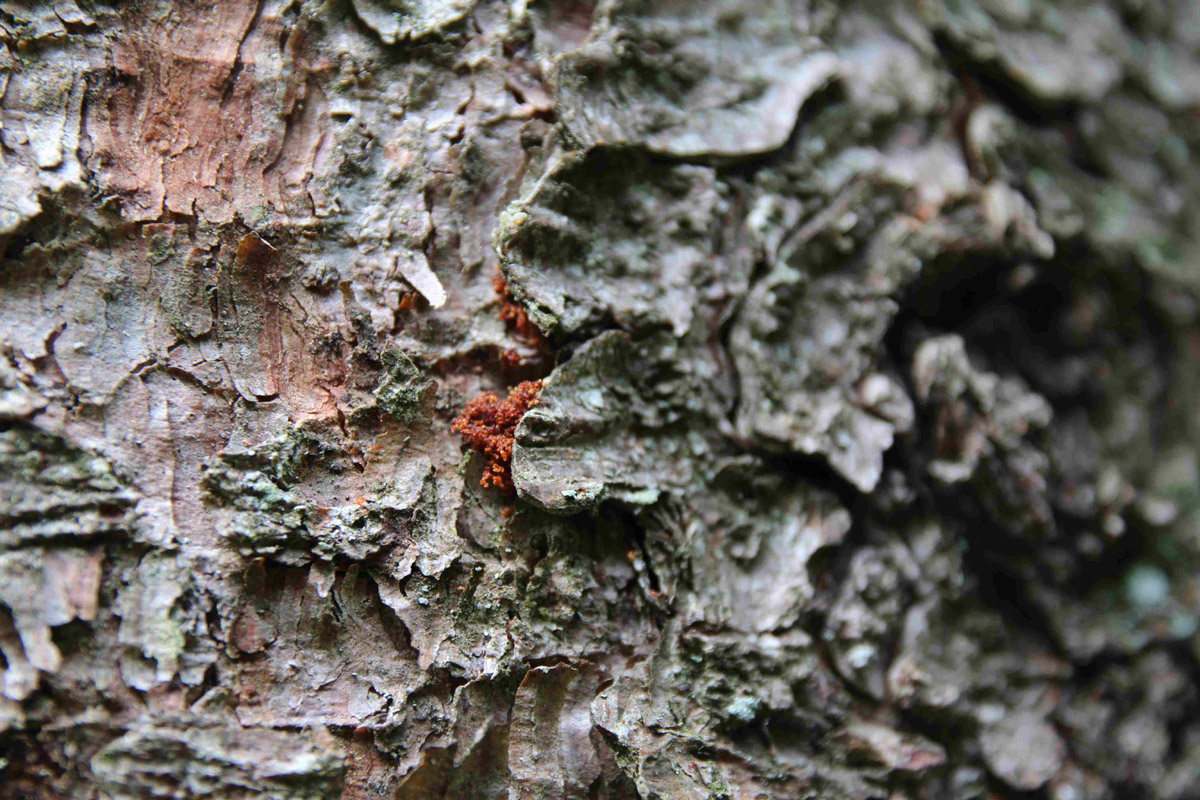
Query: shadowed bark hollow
pixel 853 372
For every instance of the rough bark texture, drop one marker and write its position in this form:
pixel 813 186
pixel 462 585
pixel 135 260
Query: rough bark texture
pixel 864 463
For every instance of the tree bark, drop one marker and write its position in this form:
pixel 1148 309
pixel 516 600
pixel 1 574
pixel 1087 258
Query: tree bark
pixel 851 449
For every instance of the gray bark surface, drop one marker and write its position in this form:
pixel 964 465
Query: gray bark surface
pixel 865 459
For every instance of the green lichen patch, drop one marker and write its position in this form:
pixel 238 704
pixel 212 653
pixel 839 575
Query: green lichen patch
pixel 50 490
pixel 401 393
pixel 281 498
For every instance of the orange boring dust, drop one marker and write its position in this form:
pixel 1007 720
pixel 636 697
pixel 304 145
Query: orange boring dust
pixel 488 424
pixel 512 313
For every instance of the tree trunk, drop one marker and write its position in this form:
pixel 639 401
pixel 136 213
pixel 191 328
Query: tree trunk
pixel 851 449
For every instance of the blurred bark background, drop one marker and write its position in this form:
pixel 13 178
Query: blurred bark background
pixel 864 463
